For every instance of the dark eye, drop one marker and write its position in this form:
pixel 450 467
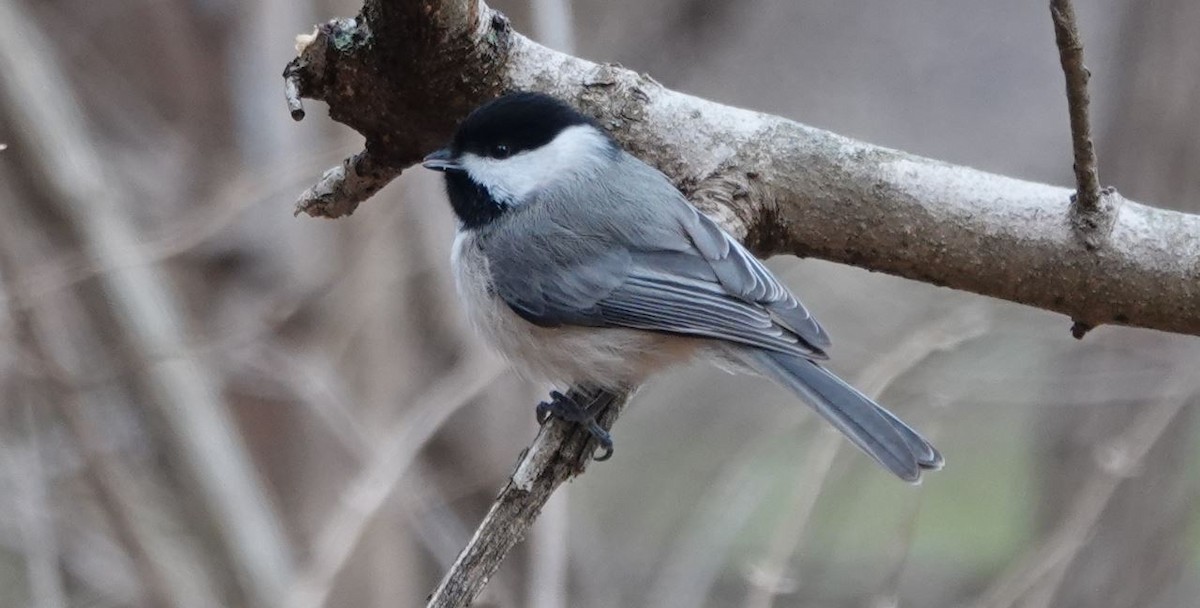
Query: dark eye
pixel 501 151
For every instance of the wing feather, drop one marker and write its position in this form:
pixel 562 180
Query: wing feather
pixel 747 277
pixel 667 268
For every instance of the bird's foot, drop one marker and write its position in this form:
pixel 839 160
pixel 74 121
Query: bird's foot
pixel 565 408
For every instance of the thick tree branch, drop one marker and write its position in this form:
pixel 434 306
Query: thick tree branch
pixel 403 79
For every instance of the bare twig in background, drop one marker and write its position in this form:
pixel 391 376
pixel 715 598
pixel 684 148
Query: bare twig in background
pixel 238 194
pixel 370 490
pixel 888 593
pixel 105 478
pixel 549 561
pixel 1070 53
pixel 769 579
pixel 137 549
pixel 440 529
pixel 38 532
pixel 782 186
pixel 1115 462
pixel 947 333
pixel 121 506
pixel 693 564
pixel 58 149
pixel 553 25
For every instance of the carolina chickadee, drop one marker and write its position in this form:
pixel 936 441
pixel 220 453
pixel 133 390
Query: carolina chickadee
pixel 583 265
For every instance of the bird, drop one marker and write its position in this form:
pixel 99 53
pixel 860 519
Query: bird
pixel 586 267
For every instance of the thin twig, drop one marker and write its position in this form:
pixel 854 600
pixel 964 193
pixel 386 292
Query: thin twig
pixel 1092 216
pixel 560 451
pixel 1115 462
pixel 553 24
pixel 1092 210
pixel 368 493
pixel 693 564
pixel 36 521
pixel 439 529
pixel 102 474
pixel 1070 53
pixel 548 554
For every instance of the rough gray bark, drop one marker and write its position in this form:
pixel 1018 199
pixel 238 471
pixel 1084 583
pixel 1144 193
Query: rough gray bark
pixel 403 74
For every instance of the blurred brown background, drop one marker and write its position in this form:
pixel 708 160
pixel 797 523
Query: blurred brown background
pixel 208 402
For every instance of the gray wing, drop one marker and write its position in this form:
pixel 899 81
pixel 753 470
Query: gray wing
pixel 744 276
pixel 664 268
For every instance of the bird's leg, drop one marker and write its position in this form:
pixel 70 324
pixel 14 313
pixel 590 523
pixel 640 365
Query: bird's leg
pixel 566 408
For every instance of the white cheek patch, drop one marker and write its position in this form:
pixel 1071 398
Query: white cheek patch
pixel 577 149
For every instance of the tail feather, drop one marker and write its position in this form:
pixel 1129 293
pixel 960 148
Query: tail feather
pixel 871 428
pixel 928 457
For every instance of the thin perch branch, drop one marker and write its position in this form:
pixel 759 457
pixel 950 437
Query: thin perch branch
pixel 560 451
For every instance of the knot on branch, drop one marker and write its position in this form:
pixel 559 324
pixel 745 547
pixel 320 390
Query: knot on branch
pixel 727 196
pixel 1094 223
pixel 617 97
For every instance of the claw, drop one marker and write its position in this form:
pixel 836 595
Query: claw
pixel 565 408
pixel 559 405
pixel 603 439
pixel 543 412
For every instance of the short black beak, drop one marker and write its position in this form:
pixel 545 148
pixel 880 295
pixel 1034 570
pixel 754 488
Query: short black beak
pixel 442 160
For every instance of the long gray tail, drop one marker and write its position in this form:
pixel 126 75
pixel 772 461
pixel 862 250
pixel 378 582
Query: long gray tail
pixel 873 429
